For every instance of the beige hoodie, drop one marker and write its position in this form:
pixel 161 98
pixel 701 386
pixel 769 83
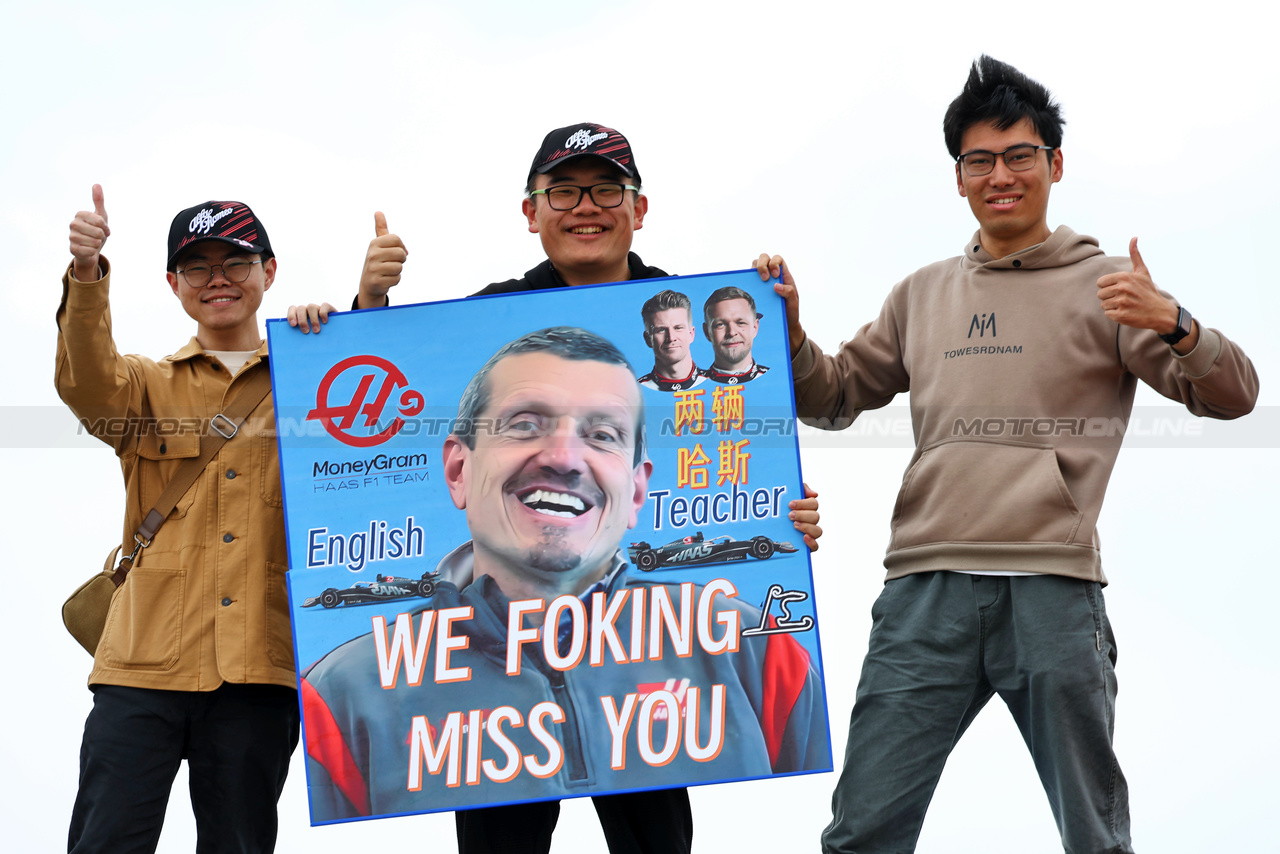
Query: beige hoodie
pixel 1021 389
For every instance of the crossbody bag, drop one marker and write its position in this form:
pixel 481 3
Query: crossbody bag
pixel 85 611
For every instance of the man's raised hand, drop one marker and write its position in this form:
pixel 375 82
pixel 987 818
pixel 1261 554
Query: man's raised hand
pixel 1131 299
pixel 382 265
pixel 774 267
pixel 89 231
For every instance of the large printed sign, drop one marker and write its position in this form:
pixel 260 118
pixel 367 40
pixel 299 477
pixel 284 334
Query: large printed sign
pixel 539 547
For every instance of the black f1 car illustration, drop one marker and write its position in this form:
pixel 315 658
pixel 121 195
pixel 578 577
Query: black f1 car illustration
pixel 696 550
pixel 384 588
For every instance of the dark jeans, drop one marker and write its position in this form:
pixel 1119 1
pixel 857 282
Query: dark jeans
pixel 237 741
pixel 656 822
pixel 942 643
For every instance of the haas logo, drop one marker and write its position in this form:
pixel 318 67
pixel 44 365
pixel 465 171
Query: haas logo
pixel 344 421
pixel 694 552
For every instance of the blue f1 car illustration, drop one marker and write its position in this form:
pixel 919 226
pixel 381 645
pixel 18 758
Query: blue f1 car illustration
pixel 384 588
pixel 695 550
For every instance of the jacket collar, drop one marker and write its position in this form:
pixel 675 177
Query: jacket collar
pixel 458 568
pixel 192 349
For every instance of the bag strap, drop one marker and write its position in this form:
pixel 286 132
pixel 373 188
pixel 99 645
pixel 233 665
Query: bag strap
pixel 222 427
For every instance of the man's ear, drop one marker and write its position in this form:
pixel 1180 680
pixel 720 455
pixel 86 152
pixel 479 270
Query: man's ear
pixel 530 209
pixel 456 457
pixel 269 270
pixel 640 480
pixel 173 282
pixel 648 339
pixel 1056 165
pixel 642 208
pixel 960 182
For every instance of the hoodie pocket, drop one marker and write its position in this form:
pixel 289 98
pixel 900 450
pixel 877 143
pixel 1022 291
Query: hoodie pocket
pixel 984 492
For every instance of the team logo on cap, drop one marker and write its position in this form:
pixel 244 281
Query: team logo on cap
pixel 583 139
pixel 204 221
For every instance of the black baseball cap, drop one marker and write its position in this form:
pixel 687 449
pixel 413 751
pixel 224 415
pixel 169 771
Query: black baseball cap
pixel 567 143
pixel 229 222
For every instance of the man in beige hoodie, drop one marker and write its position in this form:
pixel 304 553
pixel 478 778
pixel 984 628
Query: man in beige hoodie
pixel 1022 357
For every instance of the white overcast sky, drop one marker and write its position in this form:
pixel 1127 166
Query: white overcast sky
pixel 809 129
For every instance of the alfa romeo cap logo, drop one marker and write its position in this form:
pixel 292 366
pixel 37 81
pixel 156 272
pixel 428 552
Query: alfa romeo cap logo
pixel 360 420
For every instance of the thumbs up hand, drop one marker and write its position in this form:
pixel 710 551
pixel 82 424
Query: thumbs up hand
pixel 89 231
pixel 1131 299
pixel 382 265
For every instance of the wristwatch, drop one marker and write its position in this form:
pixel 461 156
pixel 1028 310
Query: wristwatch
pixel 1183 329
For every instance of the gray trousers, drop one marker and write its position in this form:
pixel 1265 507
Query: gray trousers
pixel 942 643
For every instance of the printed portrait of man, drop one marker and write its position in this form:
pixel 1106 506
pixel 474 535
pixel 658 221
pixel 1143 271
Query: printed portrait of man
pixel 730 322
pixel 669 331
pixel 542 668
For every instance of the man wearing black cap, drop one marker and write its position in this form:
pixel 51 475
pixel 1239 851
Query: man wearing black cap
pixel 583 200
pixel 196 659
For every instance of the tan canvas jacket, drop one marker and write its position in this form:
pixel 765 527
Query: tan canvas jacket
pixel 206 603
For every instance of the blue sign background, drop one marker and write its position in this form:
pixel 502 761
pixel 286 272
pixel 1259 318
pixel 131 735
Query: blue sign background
pixel 332 487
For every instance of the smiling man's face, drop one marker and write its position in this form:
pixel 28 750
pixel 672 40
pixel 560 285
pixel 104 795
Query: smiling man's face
pixel 226 313
pixel 589 244
pixel 551 484
pixel 1012 208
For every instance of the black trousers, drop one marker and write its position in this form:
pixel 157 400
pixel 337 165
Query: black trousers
pixel 656 822
pixel 237 741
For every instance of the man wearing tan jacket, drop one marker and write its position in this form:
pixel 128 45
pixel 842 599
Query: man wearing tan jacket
pixel 1022 357
pixel 196 659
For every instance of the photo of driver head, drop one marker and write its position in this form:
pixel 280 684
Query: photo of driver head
pixel 669 331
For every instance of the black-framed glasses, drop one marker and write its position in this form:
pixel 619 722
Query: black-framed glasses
pixel 566 197
pixel 234 270
pixel 1019 158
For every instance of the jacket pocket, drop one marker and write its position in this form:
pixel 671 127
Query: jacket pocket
pixel 266 462
pixel 985 492
pixel 144 625
pixel 279 631
pixel 159 458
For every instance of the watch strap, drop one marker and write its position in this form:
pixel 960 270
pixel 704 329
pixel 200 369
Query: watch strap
pixel 1182 330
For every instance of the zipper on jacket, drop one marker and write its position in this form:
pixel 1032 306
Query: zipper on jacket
pixel 575 762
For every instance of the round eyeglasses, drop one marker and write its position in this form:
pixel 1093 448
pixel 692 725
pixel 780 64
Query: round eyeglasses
pixel 234 270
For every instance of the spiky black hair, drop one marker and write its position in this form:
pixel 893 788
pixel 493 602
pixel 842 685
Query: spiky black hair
pixel 997 92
